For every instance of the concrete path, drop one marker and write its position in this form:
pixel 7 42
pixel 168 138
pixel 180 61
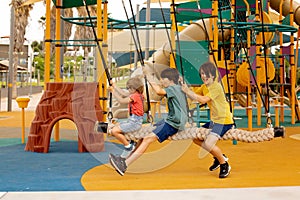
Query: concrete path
pixel 264 193
pixel 34 100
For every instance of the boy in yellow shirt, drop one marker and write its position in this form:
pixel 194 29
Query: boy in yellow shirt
pixel 212 94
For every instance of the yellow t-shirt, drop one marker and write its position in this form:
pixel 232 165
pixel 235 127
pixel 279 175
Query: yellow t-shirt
pixel 219 107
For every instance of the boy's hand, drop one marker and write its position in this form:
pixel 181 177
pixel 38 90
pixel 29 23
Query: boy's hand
pixel 110 89
pixel 180 80
pixel 185 88
pixel 145 71
pixel 112 83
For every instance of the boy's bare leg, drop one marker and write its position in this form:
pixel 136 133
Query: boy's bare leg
pixel 216 152
pixel 141 148
pixel 198 141
pixel 117 133
pixel 209 145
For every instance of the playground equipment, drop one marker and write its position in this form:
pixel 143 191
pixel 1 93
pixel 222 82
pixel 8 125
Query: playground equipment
pixel 23 103
pixel 229 33
pixel 251 38
pixel 77 102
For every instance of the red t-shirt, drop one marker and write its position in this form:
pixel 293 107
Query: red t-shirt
pixel 136 105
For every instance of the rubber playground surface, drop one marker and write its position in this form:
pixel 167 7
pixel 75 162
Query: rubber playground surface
pixel 270 163
pixel 169 166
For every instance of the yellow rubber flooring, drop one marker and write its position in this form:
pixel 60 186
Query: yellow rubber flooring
pixel 270 163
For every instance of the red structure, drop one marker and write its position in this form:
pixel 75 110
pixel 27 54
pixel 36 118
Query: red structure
pixel 78 102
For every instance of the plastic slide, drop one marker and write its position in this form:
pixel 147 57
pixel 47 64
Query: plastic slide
pixel 275 4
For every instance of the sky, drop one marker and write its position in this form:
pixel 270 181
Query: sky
pixel 34 30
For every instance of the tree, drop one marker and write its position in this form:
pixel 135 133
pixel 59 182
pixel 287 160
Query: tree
pixel 20 23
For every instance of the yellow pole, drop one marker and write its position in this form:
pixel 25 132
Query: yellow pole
pixel 215 29
pixel 104 36
pixel 23 126
pixel 47 44
pixel 258 66
pixel 23 103
pixel 57 57
pixel 105 48
pixel 249 102
pixel 281 66
pixel 249 111
pixel 232 65
pixel 101 76
pixel 297 48
pixel 172 35
pixel 293 68
pixel 276 113
pixel 58 43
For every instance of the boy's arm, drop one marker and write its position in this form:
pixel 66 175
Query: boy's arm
pixel 115 88
pixel 118 93
pixel 158 90
pixel 121 91
pixel 121 99
pixel 201 99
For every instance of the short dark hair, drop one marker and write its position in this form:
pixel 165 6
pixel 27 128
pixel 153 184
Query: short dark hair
pixel 208 68
pixel 171 74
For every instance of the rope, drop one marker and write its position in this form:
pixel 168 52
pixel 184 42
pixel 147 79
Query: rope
pixel 140 55
pixel 166 28
pixel 214 58
pixel 97 42
pixel 109 114
pixel 269 119
pixel 251 71
pixel 201 133
pixel 189 114
pixel 226 67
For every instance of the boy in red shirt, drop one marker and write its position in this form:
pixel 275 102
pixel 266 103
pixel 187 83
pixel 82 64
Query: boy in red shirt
pixel 135 100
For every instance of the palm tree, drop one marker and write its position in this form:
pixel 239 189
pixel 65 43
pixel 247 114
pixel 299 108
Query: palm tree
pixel 20 23
pixel 84 32
pixel 68 12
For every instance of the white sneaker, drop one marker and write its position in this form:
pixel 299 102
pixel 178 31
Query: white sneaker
pixel 127 151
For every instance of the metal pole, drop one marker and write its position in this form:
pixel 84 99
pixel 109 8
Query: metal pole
pixel 10 69
pixel 148 11
pixel 30 76
pixel 62 33
pixel 137 19
pixel 95 65
pixel 31 56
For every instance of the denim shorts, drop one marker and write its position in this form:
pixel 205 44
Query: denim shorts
pixel 164 130
pixel 134 123
pixel 218 129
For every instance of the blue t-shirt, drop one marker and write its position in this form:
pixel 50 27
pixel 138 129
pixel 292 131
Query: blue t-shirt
pixel 177 106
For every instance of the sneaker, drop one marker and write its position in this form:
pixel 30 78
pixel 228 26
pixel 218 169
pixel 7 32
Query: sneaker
pixel 118 163
pixel 279 131
pixel 128 151
pixel 216 163
pixel 224 170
